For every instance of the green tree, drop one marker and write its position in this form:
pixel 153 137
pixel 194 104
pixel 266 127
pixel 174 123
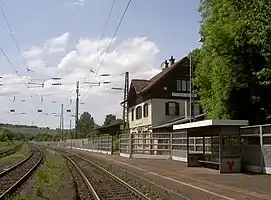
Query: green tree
pixel 6 135
pixel 86 125
pixel 111 119
pixel 233 70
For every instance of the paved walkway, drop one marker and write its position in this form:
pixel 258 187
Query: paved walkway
pixel 194 183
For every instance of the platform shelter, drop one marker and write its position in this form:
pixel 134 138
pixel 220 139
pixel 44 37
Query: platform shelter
pixel 226 132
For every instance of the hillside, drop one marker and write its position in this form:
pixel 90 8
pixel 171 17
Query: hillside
pixel 27 130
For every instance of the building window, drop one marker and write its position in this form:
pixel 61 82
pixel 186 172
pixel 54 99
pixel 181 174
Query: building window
pixel 172 108
pixel 184 89
pixel 133 110
pixel 183 85
pixel 188 86
pixel 145 110
pixel 139 112
pixel 179 85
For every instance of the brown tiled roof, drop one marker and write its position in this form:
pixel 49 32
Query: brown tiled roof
pixel 157 77
pixel 142 85
pixel 139 84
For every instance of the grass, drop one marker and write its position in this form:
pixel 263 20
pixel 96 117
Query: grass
pixel 29 130
pixel 49 181
pixel 14 157
pixel 8 145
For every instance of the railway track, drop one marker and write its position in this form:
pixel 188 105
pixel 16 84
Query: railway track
pixel 11 150
pixel 103 185
pixel 14 176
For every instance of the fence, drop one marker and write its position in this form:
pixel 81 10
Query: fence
pixel 166 145
pixel 103 144
pixel 255 147
pixel 125 145
pixel 154 145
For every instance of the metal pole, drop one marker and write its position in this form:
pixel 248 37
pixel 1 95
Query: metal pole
pixel 76 109
pixel 62 121
pixel 71 132
pixel 193 95
pixel 126 96
pixel 125 113
pixel 71 127
pixel 190 86
pixel 261 143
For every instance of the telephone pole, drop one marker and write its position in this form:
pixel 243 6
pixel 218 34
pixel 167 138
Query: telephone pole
pixel 76 109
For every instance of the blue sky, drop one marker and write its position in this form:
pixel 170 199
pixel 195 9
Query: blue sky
pixel 172 25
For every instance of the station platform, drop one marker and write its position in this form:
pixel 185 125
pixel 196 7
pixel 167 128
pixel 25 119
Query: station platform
pixel 193 183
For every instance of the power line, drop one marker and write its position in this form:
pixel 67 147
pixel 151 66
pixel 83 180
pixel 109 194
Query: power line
pixel 108 18
pixel 16 71
pixel 104 29
pixel 114 35
pixel 102 35
pixel 13 37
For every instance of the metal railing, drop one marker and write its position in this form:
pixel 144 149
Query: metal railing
pixel 102 144
pixel 167 144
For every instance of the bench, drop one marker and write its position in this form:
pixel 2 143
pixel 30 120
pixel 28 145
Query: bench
pixel 209 164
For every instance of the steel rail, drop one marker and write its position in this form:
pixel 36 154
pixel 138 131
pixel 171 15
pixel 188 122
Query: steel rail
pixel 19 181
pixel 5 171
pixel 137 193
pixel 11 150
pixel 89 185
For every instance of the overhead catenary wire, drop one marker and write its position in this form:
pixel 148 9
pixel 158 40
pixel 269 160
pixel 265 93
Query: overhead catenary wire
pixel 112 39
pixel 108 19
pixel 17 73
pixel 104 29
pixel 111 42
pixel 13 37
pixel 103 33
pixel 107 49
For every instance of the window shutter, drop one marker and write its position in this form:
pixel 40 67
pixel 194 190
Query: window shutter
pixel 177 109
pixel 167 108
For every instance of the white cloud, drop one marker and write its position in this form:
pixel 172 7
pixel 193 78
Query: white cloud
pixel 33 52
pixel 78 2
pixel 135 55
pixel 57 44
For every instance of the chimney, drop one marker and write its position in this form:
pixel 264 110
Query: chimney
pixel 171 61
pixel 164 65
